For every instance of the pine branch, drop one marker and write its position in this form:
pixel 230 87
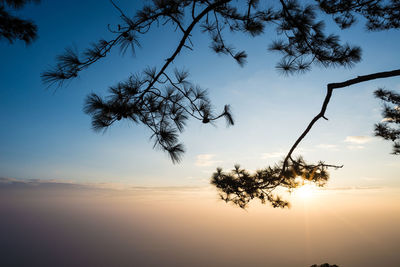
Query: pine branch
pixel 185 36
pixel 330 88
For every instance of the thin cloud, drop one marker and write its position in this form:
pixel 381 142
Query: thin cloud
pixel 346 188
pixel 272 155
pixel 282 154
pixel 327 146
pixel 393 164
pixel 371 179
pixel 303 150
pixel 53 184
pixel 36 183
pixel 358 139
pixel 353 147
pixel 205 160
pixel 388 119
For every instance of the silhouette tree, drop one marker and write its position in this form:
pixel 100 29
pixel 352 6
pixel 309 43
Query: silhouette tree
pixel 163 100
pixel 239 186
pixel 13 28
pixel 324 265
pixel 389 128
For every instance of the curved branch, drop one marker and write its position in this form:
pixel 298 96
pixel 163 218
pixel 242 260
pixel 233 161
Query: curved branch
pixel 330 88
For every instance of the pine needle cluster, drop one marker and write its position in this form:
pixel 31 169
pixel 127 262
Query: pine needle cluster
pixel 13 28
pixel 389 128
pixel 379 14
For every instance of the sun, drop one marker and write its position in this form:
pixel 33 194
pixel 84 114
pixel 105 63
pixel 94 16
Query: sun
pixel 306 191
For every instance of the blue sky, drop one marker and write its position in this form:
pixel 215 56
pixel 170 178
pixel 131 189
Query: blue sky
pixel 45 134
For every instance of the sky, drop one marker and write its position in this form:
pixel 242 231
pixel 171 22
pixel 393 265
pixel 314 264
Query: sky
pixel 47 136
pixel 51 160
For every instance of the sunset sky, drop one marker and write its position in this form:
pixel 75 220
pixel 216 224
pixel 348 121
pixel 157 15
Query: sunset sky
pixel 52 161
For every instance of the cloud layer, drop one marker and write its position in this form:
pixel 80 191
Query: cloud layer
pixel 358 139
pixel 205 160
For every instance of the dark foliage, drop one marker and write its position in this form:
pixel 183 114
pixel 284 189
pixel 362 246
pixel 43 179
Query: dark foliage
pixel 163 107
pixel 324 265
pixel 13 28
pixel 389 128
pixel 380 14
pixel 239 186
pixel 305 41
pixel 17 4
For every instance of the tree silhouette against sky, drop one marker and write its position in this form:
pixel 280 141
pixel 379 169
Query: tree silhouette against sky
pixel 164 99
pixel 13 28
pixel 324 265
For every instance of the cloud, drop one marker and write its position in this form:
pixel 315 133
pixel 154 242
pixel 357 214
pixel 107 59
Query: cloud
pixel 54 184
pixel 393 164
pixel 358 139
pixel 272 155
pixel 354 147
pixel 371 178
pixel 282 153
pixel 346 188
pixel 387 120
pixel 33 183
pixel 303 150
pixel 204 160
pixel 328 146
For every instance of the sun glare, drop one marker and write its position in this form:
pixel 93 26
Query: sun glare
pixel 306 191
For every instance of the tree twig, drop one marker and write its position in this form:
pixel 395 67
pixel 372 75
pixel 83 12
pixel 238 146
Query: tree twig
pixel 329 91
